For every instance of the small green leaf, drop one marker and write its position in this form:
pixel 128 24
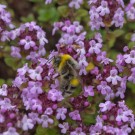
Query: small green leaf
pixel 48 14
pixel 29 18
pixel 118 33
pixel 36 0
pixel 63 11
pixel 12 62
pixel 2 81
pixel 128 36
pixel 81 13
pixel 131 86
pixel 89 118
pixel 46 131
pixel 131 44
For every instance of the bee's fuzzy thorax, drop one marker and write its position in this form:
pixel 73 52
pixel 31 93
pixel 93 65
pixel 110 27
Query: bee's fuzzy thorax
pixel 64 58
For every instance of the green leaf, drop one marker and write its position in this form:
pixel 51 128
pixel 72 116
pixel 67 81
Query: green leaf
pixel 118 33
pixel 131 86
pixel 46 131
pixel 113 54
pixel 12 62
pixel 48 14
pixel 36 0
pixel 2 81
pixel 81 13
pixel 63 11
pixel 128 36
pixel 131 44
pixel 29 18
pixel 89 118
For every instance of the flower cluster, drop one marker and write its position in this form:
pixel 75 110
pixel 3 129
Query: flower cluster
pixel 40 85
pixel 5 23
pixel 114 119
pixel 30 39
pixel 104 13
pixel 130 10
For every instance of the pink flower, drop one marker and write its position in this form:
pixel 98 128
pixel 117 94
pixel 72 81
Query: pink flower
pixel 75 115
pixel 26 123
pixel 114 78
pixel 61 113
pixel 35 74
pixel 45 120
pixel 64 127
pixel 78 131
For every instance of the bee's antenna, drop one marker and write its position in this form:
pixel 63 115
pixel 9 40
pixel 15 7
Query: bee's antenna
pixel 48 61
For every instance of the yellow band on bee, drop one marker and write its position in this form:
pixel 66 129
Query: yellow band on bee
pixel 74 82
pixel 64 58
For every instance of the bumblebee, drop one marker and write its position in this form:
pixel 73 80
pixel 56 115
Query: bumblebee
pixel 67 68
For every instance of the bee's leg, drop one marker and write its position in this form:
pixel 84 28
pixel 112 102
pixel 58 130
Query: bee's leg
pixel 68 91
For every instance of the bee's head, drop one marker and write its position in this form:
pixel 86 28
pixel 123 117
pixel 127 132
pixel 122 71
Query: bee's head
pixel 56 61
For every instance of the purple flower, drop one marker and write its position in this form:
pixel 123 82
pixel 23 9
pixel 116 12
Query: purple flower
pixel 88 91
pixel 99 122
pixel 118 18
pixel 2 118
pixel 103 88
pixel 55 95
pixel 41 35
pixel 15 52
pixel 131 78
pixel 75 3
pixel 22 71
pixel 48 1
pixel 27 42
pixel 133 37
pixel 61 113
pixel 6 105
pixel 122 115
pixel 120 92
pixel 114 78
pixel 130 58
pixel 82 64
pixel 36 105
pixel 78 131
pixel 106 61
pixel 19 80
pixel 120 62
pixel 34 117
pixel 35 74
pixel 26 123
pixel 96 21
pixel 64 127
pixel 33 56
pixel 35 87
pixel 93 13
pixel 98 37
pixel 94 47
pixel 103 9
pixel 3 90
pixel 75 115
pixel 101 56
pixel 131 13
pixel 11 131
pixel 48 111
pixel 57 26
pixel 106 106
pixel 92 1
pixel 45 120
